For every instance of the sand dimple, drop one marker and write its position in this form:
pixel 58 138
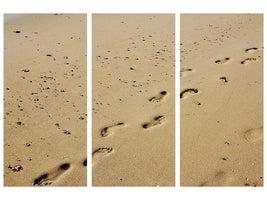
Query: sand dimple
pixel 109 129
pixel 50 177
pixel 159 98
pixel 154 122
pixel 187 92
pixel 254 135
pixel 133 82
pixel 223 61
pixel 248 60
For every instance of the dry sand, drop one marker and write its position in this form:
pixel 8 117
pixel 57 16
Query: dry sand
pixel 133 100
pixel 222 112
pixel 45 100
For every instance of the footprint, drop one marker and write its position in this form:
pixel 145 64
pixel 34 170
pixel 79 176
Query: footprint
pixel 222 61
pixel 108 130
pixel 251 50
pixel 183 71
pixel 50 177
pixel 254 135
pixel 248 60
pixel 186 91
pixel 101 152
pixel 159 97
pixel 156 121
pixel 221 178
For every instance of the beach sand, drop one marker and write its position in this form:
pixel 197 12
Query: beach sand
pixel 133 133
pixel 221 100
pixel 45 100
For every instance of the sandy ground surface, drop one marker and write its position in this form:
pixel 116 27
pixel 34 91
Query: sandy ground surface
pixel 221 100
pixel 45 101
pixel 133 100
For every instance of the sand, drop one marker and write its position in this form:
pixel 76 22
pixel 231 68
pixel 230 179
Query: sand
pixel 45 100
pixel 221 100
pixel 133 127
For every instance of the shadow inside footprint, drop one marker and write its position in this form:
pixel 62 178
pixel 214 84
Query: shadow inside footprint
pixel 39 180
pixel 248 60
pixel 159 97
pixel 49 178
pixel 190 90
pixel 251 50
pixel 64 166
pixel 85 162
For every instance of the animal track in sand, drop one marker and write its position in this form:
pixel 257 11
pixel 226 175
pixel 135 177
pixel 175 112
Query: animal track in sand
pixel 156 121
pixel 188 91
pixel 50 177
pixel 248 60
pixel 251 50
pixel 183 71
pixel 101 152
pixel 159 97
pixel 223 61
pixel 254 135
pixel 109 129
